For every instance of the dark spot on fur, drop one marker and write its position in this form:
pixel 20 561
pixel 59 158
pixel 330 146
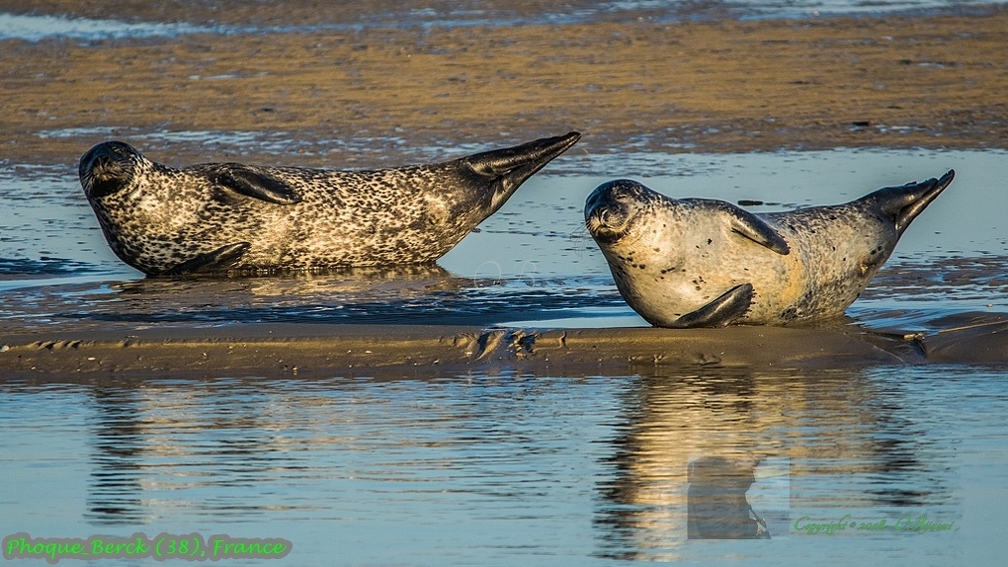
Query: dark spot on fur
pixel 789 314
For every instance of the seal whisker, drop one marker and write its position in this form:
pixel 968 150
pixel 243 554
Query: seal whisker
pixel 579 238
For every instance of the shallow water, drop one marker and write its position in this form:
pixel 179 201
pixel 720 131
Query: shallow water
pixel 33 27
pixel 530 264
pixel 506 470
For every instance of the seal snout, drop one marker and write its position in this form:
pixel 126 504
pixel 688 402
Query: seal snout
pixel 106 168
pixel 610 208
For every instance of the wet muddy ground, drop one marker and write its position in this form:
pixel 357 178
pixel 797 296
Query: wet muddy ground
pixel 387 93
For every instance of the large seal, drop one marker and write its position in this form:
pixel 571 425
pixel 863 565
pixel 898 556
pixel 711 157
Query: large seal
pixel 707 263
pixel 226 216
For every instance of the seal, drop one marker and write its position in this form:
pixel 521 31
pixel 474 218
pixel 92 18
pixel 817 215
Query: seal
pixel 218 217
pixel 708 263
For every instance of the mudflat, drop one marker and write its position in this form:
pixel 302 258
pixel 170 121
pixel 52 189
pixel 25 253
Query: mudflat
pixel 720 86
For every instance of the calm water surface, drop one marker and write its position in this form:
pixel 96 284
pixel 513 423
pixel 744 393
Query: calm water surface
pixel 516 470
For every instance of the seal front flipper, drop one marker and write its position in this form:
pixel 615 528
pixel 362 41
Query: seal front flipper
pixel 756 229
pixel 508 168
pixel 720 312
pixel 250 182
pixel 217 261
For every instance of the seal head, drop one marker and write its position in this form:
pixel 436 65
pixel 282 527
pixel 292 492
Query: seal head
pixel 708 263
pixel 108 168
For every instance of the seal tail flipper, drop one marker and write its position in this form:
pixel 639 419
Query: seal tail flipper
pixel 510 167
pixel 219 260
pixel 720 312
pixel 903 204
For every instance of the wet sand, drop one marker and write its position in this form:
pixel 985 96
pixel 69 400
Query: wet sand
pixel 319 350
pixel 399 95
pixel 405 350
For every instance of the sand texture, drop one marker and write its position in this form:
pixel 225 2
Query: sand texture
pixel 308 350
pixel 722 86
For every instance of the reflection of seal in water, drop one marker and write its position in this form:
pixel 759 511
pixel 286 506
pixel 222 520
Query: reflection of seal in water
pixel 223 216
pixel 706 263
pixel 716 503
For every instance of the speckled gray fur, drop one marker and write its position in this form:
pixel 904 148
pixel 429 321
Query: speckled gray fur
pixel 214 217
pixel 672 258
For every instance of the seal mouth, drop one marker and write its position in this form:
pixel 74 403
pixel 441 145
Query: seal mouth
pixel 106 168
pixel 611 209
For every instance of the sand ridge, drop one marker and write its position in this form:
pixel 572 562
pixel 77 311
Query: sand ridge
pixel 314 350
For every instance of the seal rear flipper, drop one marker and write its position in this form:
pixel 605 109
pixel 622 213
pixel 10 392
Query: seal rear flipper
pixel 219 260
pixel 720 312
pixel 248 181
pixel 903 204
pixel 756 229
pixel 508 168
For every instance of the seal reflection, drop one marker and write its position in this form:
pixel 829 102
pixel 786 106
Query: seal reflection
pixel 825 440
pixel 716 503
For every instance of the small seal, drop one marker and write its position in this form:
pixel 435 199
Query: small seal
pixel 218 217
pixel 707 263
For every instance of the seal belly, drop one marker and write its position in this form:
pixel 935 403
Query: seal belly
pixel 838 249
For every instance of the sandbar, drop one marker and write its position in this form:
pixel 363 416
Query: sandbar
pixel 383 95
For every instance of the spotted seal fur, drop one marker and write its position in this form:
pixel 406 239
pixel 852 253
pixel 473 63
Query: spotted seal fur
pixel 216 217
pixel 707 263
